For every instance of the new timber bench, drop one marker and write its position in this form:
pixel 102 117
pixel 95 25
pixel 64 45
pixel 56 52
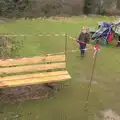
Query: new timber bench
pixel 34 70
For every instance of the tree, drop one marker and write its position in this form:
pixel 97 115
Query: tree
pixel 118 4
pixel 87 6
pixel 12 8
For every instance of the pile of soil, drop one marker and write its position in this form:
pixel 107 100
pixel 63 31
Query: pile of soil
pixel 23 93
pixel 4 20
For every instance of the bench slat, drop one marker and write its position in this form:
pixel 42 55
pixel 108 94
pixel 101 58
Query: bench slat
pixel 33 60
pixel 14 83
pixel 33 68
pixel 34 75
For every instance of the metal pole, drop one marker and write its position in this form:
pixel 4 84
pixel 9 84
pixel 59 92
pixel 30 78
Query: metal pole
pixel 66 49
pixel 90 84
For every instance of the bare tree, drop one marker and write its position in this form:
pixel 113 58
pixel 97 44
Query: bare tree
pixel 118 4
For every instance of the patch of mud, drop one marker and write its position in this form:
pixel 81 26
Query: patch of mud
pixel 110 115
pixel 107 115
pixel 23 93
pixel 2 22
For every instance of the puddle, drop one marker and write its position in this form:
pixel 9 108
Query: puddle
pixel 108 115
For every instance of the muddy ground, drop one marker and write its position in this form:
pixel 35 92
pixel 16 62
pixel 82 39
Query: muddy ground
pixel 23 93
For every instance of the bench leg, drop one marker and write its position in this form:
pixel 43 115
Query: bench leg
pixel 53 86
pixel 50 85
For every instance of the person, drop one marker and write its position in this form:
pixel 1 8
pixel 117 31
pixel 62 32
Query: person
pixel 118 43
pixel 83 39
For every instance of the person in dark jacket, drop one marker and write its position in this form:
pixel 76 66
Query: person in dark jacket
pixel 118 43
pixel 83 39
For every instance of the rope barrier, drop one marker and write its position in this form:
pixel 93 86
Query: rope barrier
pixel 71 37
pixel 96 48
pixel 59 53
pixel 43 34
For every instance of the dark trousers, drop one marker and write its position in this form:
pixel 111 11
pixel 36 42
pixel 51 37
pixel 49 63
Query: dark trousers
pixel 82 47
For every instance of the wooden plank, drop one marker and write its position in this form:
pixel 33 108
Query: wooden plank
pixel 14 83
pixel 33 60
pixel 33 68
pixel 34 75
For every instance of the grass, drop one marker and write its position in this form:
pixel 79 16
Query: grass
pixel 68 104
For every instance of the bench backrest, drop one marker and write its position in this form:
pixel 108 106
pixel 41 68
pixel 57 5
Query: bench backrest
pixel 35 70
pixel 38 63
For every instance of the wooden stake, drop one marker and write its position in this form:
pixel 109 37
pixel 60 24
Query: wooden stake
pixel 66 49
pixel 90 84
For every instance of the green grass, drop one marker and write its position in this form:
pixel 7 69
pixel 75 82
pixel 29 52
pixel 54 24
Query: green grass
pixel 68 104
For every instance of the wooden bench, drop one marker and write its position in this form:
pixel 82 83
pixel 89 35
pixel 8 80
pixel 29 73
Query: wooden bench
pixel 34 70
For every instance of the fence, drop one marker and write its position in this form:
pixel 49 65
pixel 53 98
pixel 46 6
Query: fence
pixel 43 43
